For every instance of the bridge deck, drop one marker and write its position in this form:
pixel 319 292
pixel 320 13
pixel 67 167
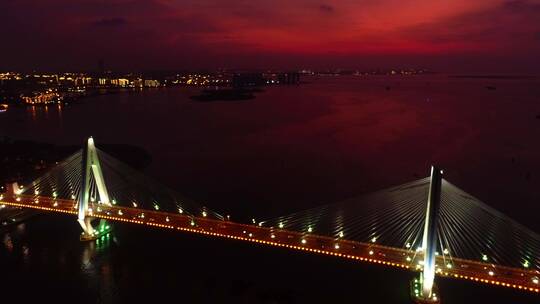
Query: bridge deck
pixel 522 279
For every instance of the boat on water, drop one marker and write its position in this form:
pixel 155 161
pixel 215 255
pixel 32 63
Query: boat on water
pixel 3 107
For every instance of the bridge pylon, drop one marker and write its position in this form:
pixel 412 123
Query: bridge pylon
pixel 428 292
pixel 90 167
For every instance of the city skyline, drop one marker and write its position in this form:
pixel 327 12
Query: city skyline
pixel 451 36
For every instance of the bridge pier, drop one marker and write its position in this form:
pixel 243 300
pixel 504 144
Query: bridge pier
pixel 424 290
pixel 91 166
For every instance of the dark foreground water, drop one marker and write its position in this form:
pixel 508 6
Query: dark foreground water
pixel 290 148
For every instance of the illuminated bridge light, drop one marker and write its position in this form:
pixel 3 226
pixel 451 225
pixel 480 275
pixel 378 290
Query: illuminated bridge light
pixel 72 196
pixel 409 259
pixel 341 234
pixel 374 239
pixel 491 273
pixel 445 251
pixel 281 225
pixel 180 210
pixel 134 204
pixel 408 245
pixel 204 214
pixel 114 202
pixel 120 212
pixel 336 246
pixel 526 264
pixel 449 266
pixel 371 252
pixel 192 223
pixel 156 207
pixel 304 241
pixel 484 257
pixel 310 229
pixel 167 219
pixel 535 280
pixel 272 236
pixel 36 192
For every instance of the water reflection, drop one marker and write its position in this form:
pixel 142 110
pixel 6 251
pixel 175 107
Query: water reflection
pixel 93 250
pixel 8 243
pixel 46 112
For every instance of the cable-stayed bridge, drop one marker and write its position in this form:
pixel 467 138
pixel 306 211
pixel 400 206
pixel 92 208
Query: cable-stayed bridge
pixel 428 225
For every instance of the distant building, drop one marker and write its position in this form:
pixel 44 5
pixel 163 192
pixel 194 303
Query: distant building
pixel 151 83
pixel 289 78
pixel 241 80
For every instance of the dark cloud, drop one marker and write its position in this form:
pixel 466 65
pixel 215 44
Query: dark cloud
pixel 522 6
pixel 510 24
pixel 111 22
pixel 326 8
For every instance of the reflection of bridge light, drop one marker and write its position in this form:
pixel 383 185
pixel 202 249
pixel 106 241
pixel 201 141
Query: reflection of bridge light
pixel 304 241
pixel 336 246
pixel 491 273
pixel 167 219
pixel 535 280
pixel 371 252
pixel 272 236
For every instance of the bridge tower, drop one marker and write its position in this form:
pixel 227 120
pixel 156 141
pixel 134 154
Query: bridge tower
pixel 90 167
pixel 429 240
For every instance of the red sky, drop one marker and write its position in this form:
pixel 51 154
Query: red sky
pixel 451 35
